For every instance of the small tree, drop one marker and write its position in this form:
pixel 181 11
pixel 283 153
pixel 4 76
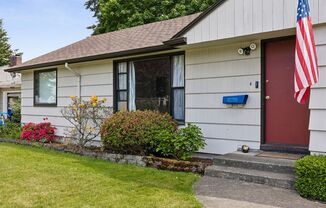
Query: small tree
pixel 5 48
pixel 16 108
pixel 86 118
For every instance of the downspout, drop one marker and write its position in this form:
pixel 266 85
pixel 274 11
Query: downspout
pixel 78 87
pixel 78 79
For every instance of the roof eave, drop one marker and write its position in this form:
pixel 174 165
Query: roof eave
pixel 170 44
pixel 176 42
pixel 96 57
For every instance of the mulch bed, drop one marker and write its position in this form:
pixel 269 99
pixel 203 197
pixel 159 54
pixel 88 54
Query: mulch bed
pixel 194 165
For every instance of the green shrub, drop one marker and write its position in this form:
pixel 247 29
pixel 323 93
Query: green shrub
pixel 311 177
pixel 11 130
pixel 134 132
pixel 182 143
pixel 16 108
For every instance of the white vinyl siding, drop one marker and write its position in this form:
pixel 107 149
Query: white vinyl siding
pixel 96 79
pixel 214 72
pixel 318 97
pixel 235 18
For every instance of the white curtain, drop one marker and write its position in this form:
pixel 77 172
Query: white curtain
pixel 132 87
pixel 122 67
pixel 178 71
pixel 47 87
pixel 178 87
pixel 178 104
pixel 122 70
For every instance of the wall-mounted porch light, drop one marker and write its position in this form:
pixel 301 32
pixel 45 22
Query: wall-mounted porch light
pixel 247 50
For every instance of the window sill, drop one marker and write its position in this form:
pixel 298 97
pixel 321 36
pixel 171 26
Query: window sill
pixel 45 105
pixel 181 123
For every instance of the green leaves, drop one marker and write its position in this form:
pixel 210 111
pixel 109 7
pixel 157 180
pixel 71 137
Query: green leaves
pixel 311 177
pixel 16 108
pixel 135 132
pixel 5 48
pixel 118 14
pixel 10 131
pixel 182 143
pixel 149 132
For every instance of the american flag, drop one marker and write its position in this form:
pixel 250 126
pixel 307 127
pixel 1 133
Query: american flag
pixel 306 67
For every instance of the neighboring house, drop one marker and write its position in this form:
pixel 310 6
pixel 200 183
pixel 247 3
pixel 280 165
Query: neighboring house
pixel 185 66
pixel 10 84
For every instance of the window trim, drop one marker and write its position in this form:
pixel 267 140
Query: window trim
pixel 35 104
pixel 144 58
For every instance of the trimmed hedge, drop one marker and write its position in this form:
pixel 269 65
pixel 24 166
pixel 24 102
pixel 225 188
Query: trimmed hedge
pixel 311 177
pixel 135 132
pixel 150 133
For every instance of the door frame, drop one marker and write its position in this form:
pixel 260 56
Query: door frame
pixel 5 99
pixel 263 145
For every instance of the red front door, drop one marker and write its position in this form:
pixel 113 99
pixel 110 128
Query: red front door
pixel 286 121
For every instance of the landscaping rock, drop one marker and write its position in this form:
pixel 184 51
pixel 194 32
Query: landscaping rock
pixel 143 161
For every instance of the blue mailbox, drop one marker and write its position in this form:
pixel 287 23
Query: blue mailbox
pixel 235 100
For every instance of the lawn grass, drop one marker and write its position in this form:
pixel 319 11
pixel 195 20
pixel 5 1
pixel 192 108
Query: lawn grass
pixel 34 177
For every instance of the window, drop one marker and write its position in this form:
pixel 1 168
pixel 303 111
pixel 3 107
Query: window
pixel 122 88
pixel 45 88
pixel 152 78
pixel 178 87
pixel 151 84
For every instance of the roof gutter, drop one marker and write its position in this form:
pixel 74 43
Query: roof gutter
pixel 176 41
pixel 94 58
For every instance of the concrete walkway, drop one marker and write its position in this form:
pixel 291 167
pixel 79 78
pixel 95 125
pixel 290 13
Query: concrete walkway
pixel 224 193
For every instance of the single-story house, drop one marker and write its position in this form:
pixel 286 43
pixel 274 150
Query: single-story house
pixel 9 85
pixel 187 67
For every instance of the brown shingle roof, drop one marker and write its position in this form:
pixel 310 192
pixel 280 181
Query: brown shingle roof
pixel 101 46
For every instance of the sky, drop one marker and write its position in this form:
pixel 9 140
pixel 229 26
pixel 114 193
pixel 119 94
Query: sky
pixel 36 27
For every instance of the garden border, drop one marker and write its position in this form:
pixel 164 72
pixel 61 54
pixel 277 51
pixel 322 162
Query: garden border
pixel 142 161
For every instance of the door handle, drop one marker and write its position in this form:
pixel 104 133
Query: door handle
pixel 267 97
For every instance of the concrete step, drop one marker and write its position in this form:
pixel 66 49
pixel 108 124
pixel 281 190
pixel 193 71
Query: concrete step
pixel 256 163
pixel 251 192
pixel 280 180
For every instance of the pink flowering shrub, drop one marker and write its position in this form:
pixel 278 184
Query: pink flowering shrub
pixel 42 132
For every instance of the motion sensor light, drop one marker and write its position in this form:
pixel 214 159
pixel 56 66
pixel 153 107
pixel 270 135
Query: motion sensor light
pixel 240 51
pixel 253 46
pixel 247 50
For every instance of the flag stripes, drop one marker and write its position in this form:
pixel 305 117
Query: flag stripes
pixel 306 67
